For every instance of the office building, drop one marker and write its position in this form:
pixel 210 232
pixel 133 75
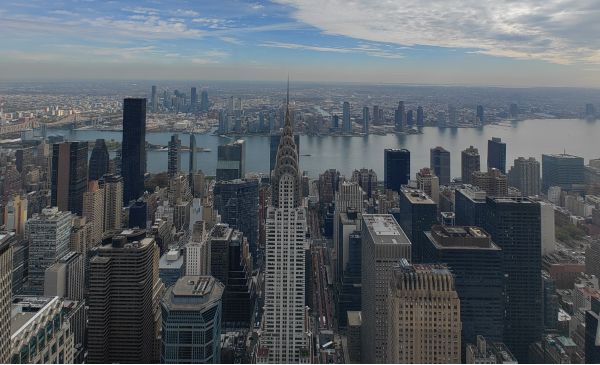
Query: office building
pixel 592 333
pixel 348 293
pixel 192 165
pixel 154 99
pixel 69 175
pixel 6 273
pixel 193 99
pixel 423 318
pixel 484 352
pixel 592 259
pixel 138 214
pixel 366 119
pixel 479 115
pixel 113 186
pixel 417 214
pixel 384 244
pixel 469 206
pixel 562 170
pixel 440 164
pixel 429 183
pixel 452 115
pixel 513 110
pixel 197 251
pixel 170 267
pixel 285 338
pixel 174 160
pixel 274 140
pixel 231 264
pixel 191 321
pixel 354 323
pixel 49 237
pixel 469 163
pixel 496 157
pixel 493 182
pixel 514 224
pixel 347 126
pixel 367 179
pixel 123 299
pixel 231 161
pixel 93 209
pixel 40 331
pixel 525 176
pixel 237 203
pixel 420 117
pixel 204 103
pixel 400 117
pixel 15 214
pixel 99 160
pixel 476 264
pixel 133 160
pixel 396 168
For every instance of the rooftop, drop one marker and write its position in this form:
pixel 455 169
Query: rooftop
pixel 561 156
pixel 416 196
pixel 384 229
pixel 26 308
pixel 460 237
pixel 193 293
pixel 354 318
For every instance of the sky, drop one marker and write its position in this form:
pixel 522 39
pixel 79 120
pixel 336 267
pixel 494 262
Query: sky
pixel 459 42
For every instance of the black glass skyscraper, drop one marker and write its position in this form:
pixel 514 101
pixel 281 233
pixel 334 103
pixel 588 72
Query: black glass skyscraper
pixel 515 226
pixel 396 168
pixel 231 161
pixel 98 160
pixel 440 164
pixel 69 175
pixel 194 99
pixel 416 216
pixel 496 157
pixel 133 163
pixel 138 214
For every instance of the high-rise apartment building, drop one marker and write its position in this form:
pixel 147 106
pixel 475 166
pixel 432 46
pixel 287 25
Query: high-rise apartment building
pixel 476 264
pixel 417 214
pixel 231 161
pixel 193 99
pixel 69 175
pixel 123 298
pixel 174 160
pixel 93 209
pixel 525 176
pixel 191 321
pixel 6 272
pixel 133 161
pixel 469 163
pixel 384 244
pixel 285 338
pixel 99 160
pixel 429 183
pixel 562 170
pixel 493 182
pixel 440 164
pixel 49 237
pixel 366 119
pixel 479 115
pixel 204 103
pixel 515 226
pixel 496 157
pixel 423 315
pixel 400 117
pixel 396 168
pixel 113 186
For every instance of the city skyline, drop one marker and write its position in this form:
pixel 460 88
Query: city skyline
pixel 525 44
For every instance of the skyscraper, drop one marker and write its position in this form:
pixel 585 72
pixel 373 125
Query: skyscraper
pixel 49 237
pixel 417 214
pixel 469 163
pixel 346 117
pixel 562 170
pixel 423 317
pixel 399 117
pixel 113 200
pixel 384 244
pixel 123 298
pixel 476 264
pixel 133 161
pixel 366 118
pixel 469 206
pixel 192 163
pixel 525 176
pixel 420 117
pixel 493 182
pixel 514 224
pixel 231 161
pixel 440 164
pixel 191 321
pixel 98 160
pixel 174 161
pixel 496 157
pixel 154 100
pixel 204 103
pixel 592 333
pixel 452 115
pixel 193 99
pixel 285 338
pixel 93 210
pixel 367 179
pixel 428 183
pixel 6 266
pixel 396 168
pixel 479 115
pixel 69 175
pixel 274 141
pixel 237 203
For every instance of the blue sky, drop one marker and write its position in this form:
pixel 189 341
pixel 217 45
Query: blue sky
pixel 481 42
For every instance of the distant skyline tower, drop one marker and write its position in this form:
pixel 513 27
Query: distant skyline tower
pixel 469 163
pixel 366 120
pixel 174 159
pixel 346 117
pixel 420 117
pixel 440 164
pixel 452 115
pixel 285 338
pixel 496 157
pixel 154 99
pixel 204 103
pixel 192 162
pixel 480 114
pixel 231 161
pixel 69 175
pixel 6 273
pixel 194 99
pixel 376 114
pixel 400 117
pixel 133 163
pixel 396 168
pixel 99 160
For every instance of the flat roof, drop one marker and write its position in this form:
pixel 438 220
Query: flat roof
pixel 354 318
pixel 25 308
pixel 384 229
pixel 416 196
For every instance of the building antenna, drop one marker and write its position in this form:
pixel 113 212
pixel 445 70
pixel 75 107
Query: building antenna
pixel 287 100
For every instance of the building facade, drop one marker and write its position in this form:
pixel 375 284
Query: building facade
pixel 470 162
pixel 69 175
pixel 396 168
pixel 133 155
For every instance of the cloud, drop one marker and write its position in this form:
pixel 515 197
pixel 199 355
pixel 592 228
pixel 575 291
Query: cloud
pixel 557 31
pixel 185 13
pixel 142 10
pixel 364 49
pixel 63 12
pixel 213 23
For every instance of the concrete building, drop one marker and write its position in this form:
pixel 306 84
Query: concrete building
pixel 6 273
pixel 469 163
pixel 367 179
pixel 488 352
pixel 170 267
pixel 525 176
pixel 592 259
pixel 15 214
pixel 429 183
pixel 423 316
pixel 93 210
pixel 113 186
pixel 123 299
pixel 191 321
pixel 384 244
pixel 49 238
pixel 40 332
pixel 197 252
pixel 493 182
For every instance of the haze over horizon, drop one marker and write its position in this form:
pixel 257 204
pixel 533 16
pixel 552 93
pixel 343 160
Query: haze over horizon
pixel 459 42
